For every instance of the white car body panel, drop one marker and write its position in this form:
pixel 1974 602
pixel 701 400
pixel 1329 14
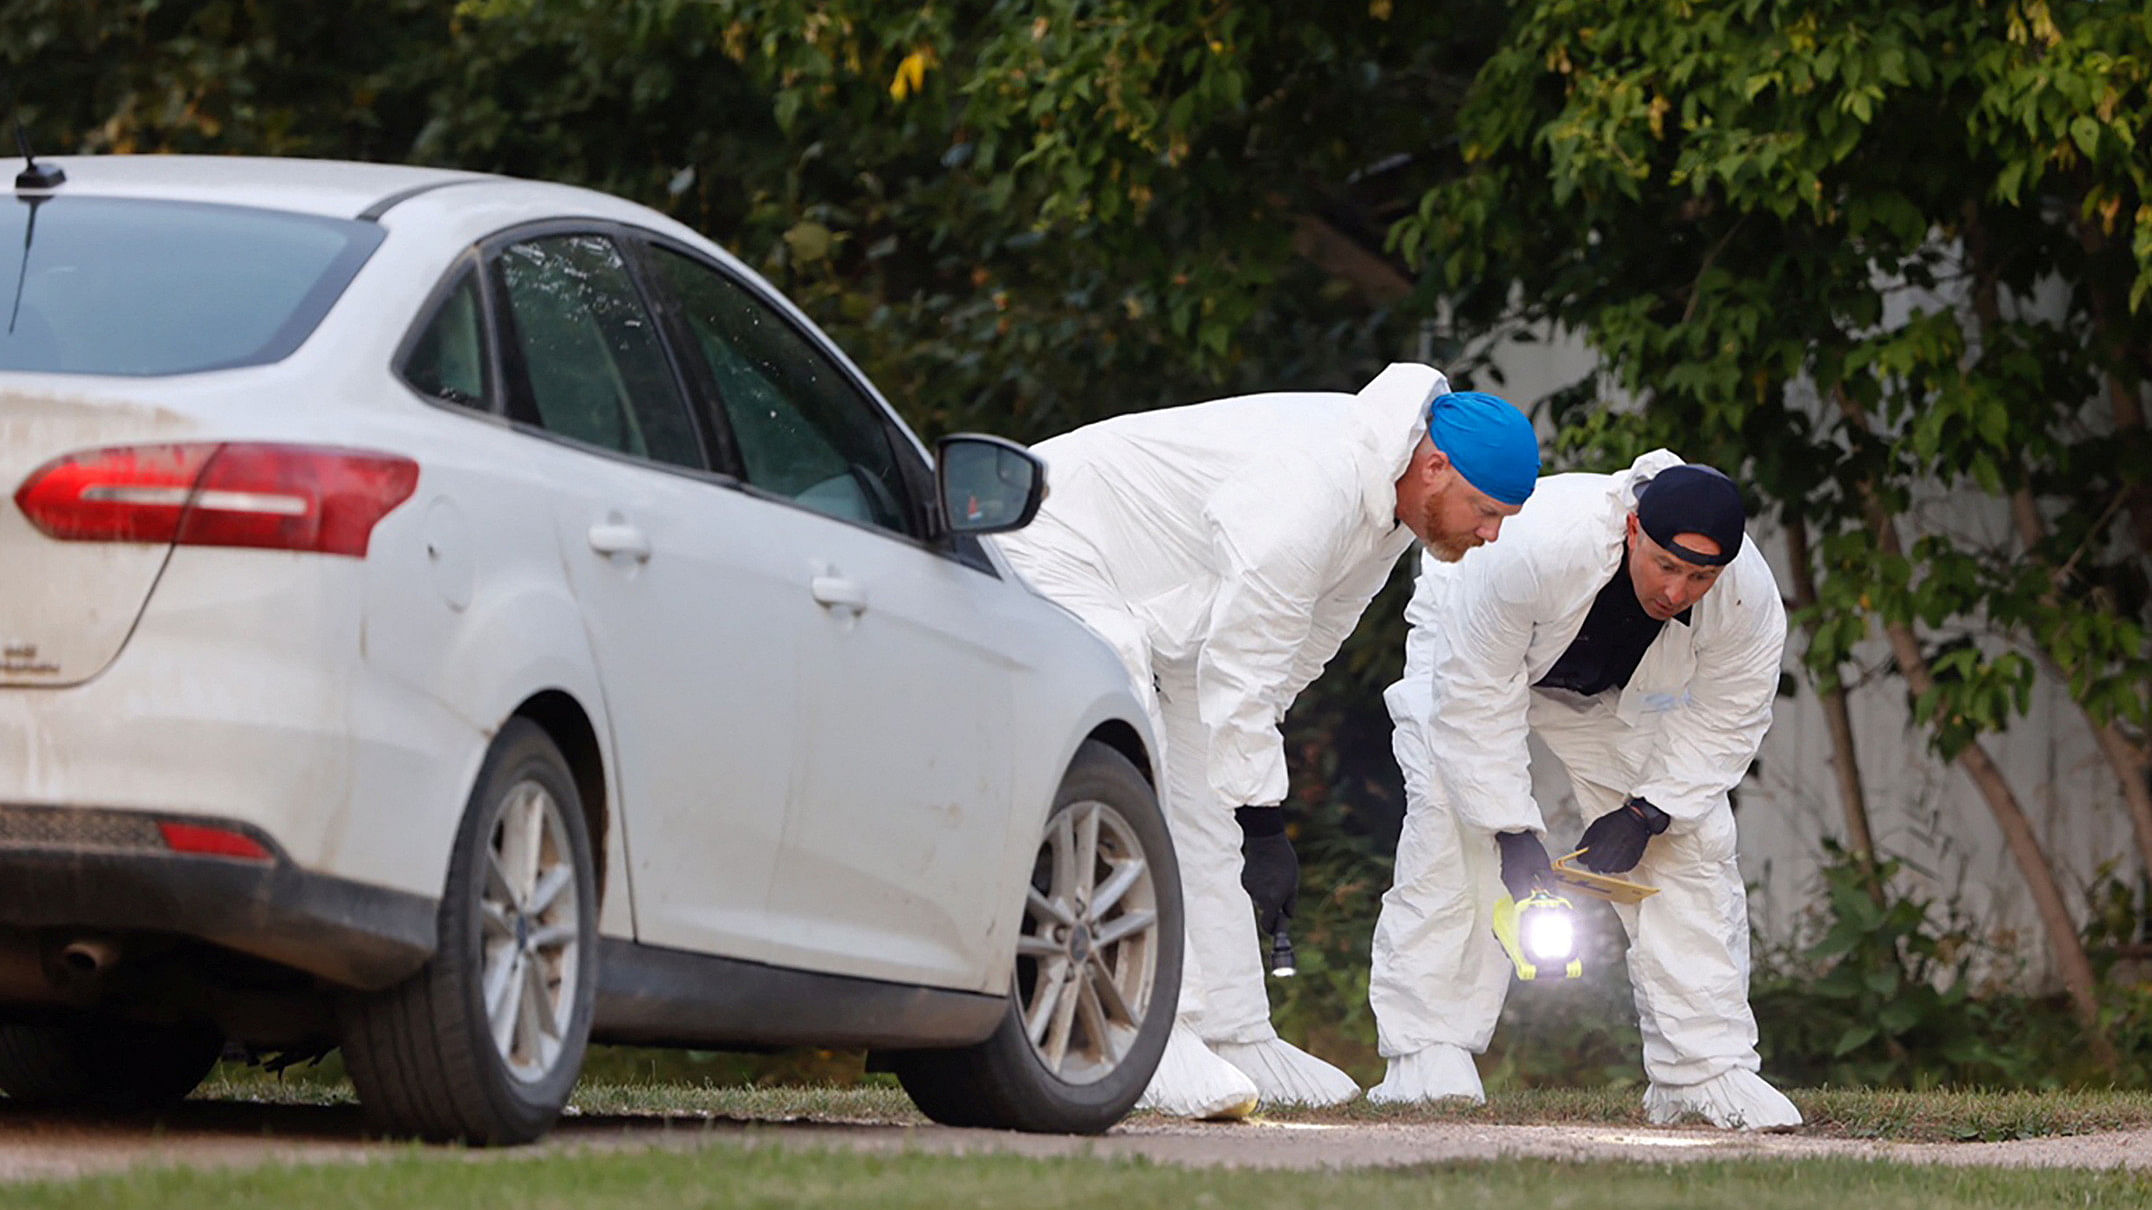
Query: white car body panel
pixel 70 605
pixel 693 641
pixel 915 865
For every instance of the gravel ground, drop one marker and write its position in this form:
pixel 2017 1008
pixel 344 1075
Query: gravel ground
pixel 48 1146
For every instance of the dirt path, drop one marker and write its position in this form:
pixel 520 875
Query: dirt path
pixel 49 1146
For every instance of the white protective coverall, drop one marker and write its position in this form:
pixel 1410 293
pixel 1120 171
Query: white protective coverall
pixel 1681 734
pixel 1225 550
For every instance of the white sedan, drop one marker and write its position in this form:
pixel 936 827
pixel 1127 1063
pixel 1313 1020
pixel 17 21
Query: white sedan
pixel 456 618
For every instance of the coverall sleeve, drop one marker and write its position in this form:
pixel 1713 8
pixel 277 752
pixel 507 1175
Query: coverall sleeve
pixel 1274 535
pixel 1411 699
pixel 1705 744
pixel 1479 689
pixel 1336 615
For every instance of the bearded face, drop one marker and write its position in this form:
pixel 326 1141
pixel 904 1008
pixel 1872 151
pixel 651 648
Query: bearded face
pixel 1451 549
pixel 1458 517
pixel 1442 508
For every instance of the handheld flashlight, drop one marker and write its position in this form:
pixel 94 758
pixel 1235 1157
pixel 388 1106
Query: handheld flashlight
pixel 1550 934
pixel 1538 932
pixel 1281 954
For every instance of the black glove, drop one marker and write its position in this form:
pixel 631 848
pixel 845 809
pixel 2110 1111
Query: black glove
pixel 1269 869
pixel 1524 862
pixel 1615 841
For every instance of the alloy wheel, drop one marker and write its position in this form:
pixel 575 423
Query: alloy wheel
pixel 1088 957
pixel 529 918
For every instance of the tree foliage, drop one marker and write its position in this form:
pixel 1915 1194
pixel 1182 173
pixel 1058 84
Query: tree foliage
pixel 1856 251
pixel 1881 258
pixel 1019 216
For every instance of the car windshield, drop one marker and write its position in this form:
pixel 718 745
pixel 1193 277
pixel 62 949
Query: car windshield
pixel 93 285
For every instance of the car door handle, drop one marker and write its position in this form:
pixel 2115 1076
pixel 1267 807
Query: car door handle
pixel 836 592
pixel 618 538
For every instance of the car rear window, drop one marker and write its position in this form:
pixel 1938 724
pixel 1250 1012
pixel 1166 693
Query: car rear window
pixel 94 285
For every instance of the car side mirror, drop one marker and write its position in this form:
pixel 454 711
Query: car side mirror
pixel 987 485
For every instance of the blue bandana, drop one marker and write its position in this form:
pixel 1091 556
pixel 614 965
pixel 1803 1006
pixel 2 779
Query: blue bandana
pixel 1490 443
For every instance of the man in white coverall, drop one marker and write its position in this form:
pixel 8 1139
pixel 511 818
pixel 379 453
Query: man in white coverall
pixel 1626 621
pixel 1225 550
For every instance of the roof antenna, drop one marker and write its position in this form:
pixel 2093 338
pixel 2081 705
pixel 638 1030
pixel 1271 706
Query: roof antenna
pixel 34 175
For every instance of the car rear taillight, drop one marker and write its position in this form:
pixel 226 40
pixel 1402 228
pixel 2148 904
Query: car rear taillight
pixel 277 497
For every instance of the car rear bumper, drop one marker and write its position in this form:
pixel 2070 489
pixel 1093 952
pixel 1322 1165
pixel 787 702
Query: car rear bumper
pixel 103 871
pixel 244 695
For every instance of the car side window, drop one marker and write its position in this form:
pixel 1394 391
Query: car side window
pixel 803 430
pixel 590 350
pixel 448 360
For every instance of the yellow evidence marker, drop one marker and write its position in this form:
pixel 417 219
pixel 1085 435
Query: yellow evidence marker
pixel 1580 881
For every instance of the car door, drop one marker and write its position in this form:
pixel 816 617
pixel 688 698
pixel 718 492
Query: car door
pixel 898 814
pixel 687 595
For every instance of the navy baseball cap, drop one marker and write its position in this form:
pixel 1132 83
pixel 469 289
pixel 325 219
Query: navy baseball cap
pixel 1693 499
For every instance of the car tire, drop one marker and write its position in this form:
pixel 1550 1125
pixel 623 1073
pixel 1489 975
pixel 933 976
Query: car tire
pixel 106 1064
pixel 1098 970
pixel 430 1057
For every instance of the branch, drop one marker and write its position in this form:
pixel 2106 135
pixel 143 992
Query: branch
pixel 1696 286
pixel 2069 565
pixel 1845 763
pixel 1379 282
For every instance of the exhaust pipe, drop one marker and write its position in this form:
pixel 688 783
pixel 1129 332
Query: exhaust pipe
pixel 88 957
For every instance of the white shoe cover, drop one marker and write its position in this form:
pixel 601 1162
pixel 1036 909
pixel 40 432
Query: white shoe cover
pixel 1192 1082
pixel 1287 1075
pixel 1437 1073
pixel 1735 1100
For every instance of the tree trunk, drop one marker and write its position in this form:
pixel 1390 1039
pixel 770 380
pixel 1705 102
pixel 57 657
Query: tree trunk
pixel 2129 417
pixel 2135 768
pixel 2128 760
pixel 1845 763
pixel 2120 349
pixel 2071 961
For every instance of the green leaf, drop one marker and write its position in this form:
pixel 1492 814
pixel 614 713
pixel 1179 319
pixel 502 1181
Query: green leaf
pixel 2085 132
pixel 1898 1016
pixel 1995 423
pixel 1855 1037
pixel 1883 981
pixel 1986 474
pixel 1839 940
pixel 809 241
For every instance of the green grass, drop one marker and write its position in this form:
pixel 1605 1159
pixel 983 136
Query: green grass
pixel 869 1104
pixel 771 1176
pixel 865 1105
pixel 1927 1116
pixel 1934 1116
pixel 758 1168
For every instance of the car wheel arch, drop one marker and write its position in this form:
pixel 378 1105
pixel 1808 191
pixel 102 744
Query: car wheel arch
pixel 1115 732
pixel 1123 738
pixel 575 733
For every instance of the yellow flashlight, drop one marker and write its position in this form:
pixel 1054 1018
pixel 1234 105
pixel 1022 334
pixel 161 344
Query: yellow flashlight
pixel 1538 931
